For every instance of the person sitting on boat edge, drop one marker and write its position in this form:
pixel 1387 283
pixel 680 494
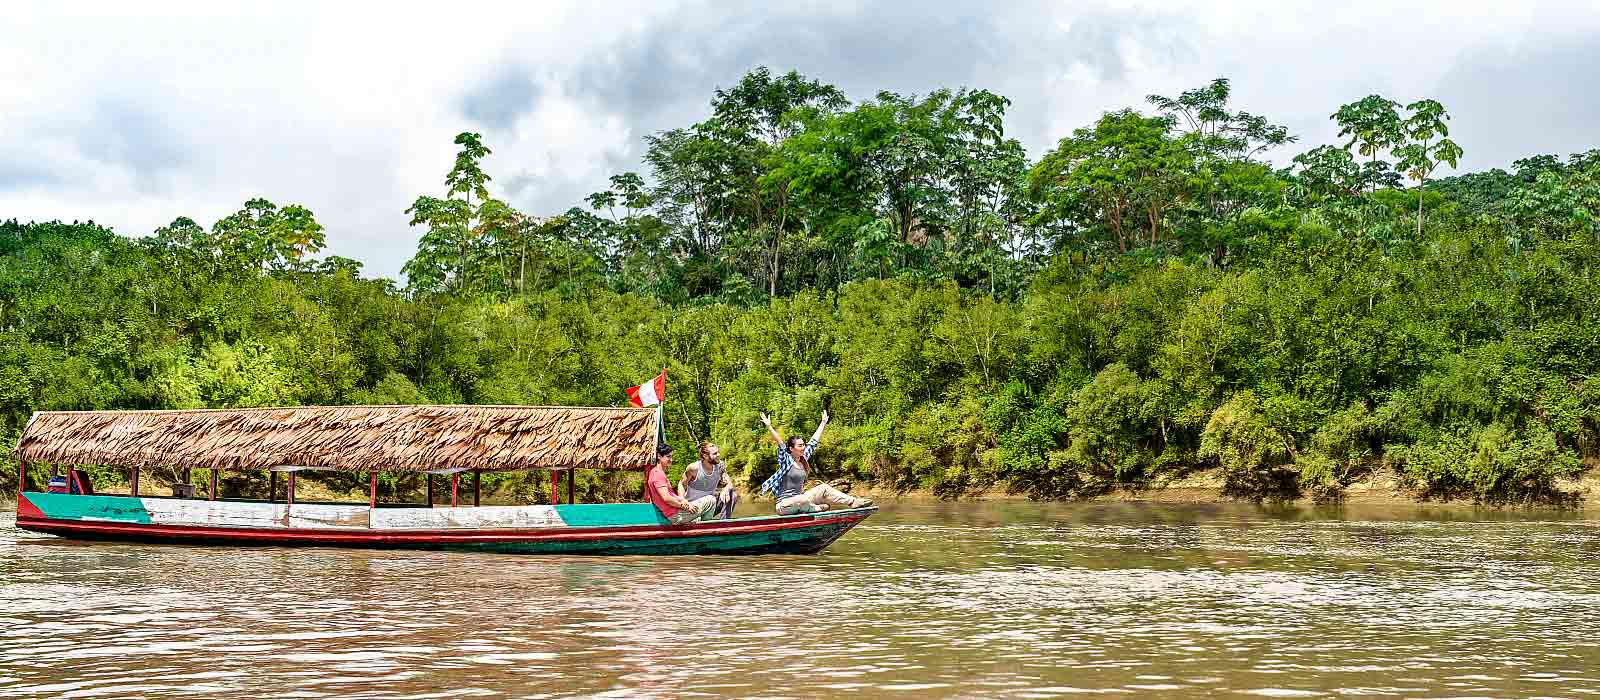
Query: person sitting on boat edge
pixel 676 509
pixel 708 476
pixel 794 464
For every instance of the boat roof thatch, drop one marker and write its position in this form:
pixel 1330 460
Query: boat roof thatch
pixel 350 438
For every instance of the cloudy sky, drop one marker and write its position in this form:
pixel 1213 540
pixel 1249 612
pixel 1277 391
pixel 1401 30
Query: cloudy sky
pixel 132 115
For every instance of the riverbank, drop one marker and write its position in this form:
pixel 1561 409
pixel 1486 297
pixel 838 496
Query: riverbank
pixel 1206 486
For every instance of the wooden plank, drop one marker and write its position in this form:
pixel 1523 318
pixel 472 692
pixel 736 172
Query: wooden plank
pixel 372 494
pixel 213 484
pixel 219 513
pixel 455 518
pixel 133 489
pixel 430 490
pixel 329 515
pixel 163 511
pixel 272 487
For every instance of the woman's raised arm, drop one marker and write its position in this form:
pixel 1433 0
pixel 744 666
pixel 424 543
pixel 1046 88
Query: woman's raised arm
pixel 821 427
pixel 767 421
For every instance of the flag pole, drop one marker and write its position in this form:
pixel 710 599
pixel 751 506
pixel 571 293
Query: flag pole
pixel 661 409
pixel 661 424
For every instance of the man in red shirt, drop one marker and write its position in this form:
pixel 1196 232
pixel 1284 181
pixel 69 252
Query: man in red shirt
pixel 676 509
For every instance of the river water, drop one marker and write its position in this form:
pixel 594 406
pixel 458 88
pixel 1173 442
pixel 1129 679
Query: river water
pixel 1002 599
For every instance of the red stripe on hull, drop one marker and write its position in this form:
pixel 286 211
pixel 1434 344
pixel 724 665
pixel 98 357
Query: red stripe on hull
pixel 27 510
pixel 330 537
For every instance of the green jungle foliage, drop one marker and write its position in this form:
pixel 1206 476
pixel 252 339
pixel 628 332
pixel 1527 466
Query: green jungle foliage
pixel 1148 298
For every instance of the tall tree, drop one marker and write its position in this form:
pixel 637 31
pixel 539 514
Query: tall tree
pixel 262 236
pixel 1427 146
pixel 756 115
pixel 1119 178
pixel 1228 180
pixel 450 221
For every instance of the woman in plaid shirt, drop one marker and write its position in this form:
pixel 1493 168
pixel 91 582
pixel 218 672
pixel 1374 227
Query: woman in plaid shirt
pixel 794 464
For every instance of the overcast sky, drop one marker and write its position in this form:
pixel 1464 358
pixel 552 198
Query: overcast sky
pixel 132 116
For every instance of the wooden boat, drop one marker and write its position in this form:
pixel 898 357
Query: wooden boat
pixel 450 440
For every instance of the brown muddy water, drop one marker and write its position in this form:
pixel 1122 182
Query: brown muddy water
pixel 1014 600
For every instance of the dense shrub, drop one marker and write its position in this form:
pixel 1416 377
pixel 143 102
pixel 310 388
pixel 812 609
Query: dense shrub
pixel 1108 423
pixel 1490 464
pixel 1256 456
pixel 1339 452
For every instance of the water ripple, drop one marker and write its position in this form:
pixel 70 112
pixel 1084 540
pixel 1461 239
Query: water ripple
pixel 924 600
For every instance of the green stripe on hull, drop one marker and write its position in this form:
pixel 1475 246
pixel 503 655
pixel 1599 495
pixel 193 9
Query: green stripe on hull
pixel 604 514
pixel 62 506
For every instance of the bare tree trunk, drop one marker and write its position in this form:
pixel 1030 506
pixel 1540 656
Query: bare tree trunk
pixel 777 242
pixel 505 273
pixel 994 293
pixel 1419 209
pixel 461 270
pixel 772 278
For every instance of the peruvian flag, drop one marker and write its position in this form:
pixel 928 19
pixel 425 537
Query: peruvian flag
pixel 649 393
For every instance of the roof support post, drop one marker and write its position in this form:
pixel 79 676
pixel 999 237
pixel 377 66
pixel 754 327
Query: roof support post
pixel 455 485
pixel 572 485
pixel 22 478
pixel 291 489
pixel 213 483
pixel 477 480
pixel 272 487
pixel 372 489
pixel 430 490
pixel 134 487
pixel 555 483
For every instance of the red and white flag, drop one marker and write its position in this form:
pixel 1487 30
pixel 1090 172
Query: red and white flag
pixel 649 393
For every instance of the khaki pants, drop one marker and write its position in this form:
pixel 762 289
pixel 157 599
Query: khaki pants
pixel 821 494
pixel 704 507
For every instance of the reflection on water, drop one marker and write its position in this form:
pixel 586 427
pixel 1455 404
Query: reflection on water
pixel 923 600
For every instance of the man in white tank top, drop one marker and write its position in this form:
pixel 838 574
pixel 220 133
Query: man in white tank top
pixel 708 476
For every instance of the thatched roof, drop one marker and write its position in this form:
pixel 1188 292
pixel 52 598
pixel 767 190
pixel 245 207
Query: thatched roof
pixel 352 438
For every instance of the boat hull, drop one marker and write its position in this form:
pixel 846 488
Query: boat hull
pixel 797 534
